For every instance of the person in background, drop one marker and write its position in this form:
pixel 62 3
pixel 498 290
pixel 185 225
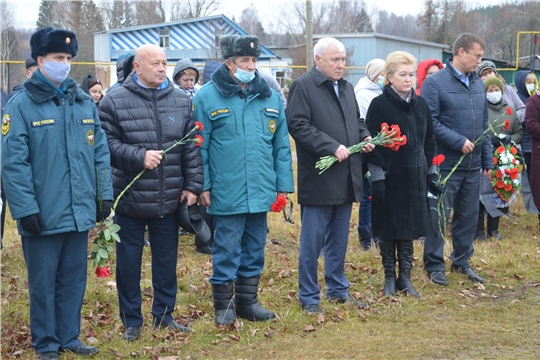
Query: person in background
pixel 487 69
pixel 56 169
pixel 396 219
pixel 457 100
pixel 209 68
pixel 324 119
pixel 186 77
pixel 144 116
pixel 367 88
pixel 526 86
pixel 425 69
pixel 93 87
pixel 247 164
pixel 497 114
pixel 31 66
pixel 532 122
pixel 124 66
pixel 3 102
pixel 274 85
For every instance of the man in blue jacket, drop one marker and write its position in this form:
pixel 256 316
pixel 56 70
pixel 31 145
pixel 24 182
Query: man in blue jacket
pixel 247 163
pixel 55 160
pixel 457 100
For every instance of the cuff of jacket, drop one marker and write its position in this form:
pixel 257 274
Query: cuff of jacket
pixel 376 172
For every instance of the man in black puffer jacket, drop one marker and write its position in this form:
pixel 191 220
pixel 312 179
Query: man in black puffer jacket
pixel 141 118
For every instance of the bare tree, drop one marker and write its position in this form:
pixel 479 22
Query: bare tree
pixel 293 18
pixel 352 16
pixel 428 20
pixel 249 21
pixel 8 42
pixel 149 12
pixel 191 9
pixel 118 14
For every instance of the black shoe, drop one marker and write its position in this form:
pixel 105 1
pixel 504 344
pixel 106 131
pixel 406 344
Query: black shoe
pixel 495 235
pixel 49 355
pixel 350 300
pixel 132 333
pixel 173 325
pixel 438 277
pixel 312 309
pixel 83 350
pixel 469 272
pixel 205 249
pixel 480 236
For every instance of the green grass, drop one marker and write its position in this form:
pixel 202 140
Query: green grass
pixel 497 320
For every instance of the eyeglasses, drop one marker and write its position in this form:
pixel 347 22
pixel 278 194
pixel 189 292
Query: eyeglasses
pixel 477 57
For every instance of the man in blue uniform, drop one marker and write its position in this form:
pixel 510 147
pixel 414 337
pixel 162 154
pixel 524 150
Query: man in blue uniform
pixel 247 162
pixel 54 155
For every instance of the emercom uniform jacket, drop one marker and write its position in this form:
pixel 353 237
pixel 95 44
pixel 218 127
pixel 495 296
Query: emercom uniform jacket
pixel 137 119
pixel 246 150
pixel 52 148
pixel 319 122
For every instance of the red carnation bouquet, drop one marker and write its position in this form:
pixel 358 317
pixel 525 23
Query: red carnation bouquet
pixel 506 176
pixel 389 136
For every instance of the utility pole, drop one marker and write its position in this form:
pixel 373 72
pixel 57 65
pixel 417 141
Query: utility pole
pixel 309 35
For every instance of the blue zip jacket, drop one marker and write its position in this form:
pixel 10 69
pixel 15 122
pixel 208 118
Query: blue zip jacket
pixel 459 113
pixel 246 151
pixel 52 148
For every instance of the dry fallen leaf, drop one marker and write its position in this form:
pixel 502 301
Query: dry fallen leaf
pixel 309 328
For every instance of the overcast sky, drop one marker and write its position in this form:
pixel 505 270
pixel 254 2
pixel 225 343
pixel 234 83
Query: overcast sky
pixel 26 11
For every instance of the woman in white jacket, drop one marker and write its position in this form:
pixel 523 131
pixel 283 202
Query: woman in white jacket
pixel 367 88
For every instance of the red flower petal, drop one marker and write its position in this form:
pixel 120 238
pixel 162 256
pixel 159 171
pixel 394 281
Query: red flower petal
pixel 199 125
pixel 102 272
pixel 198 140
pixel 509 111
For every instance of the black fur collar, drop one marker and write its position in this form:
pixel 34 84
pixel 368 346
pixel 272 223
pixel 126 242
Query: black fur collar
pixel 40 92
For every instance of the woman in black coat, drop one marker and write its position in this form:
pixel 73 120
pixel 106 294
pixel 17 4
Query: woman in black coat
pixel 400 210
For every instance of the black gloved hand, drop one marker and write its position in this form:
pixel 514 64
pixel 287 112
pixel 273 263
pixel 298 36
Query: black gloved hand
pixel 377 191
pixel 506 140
pixel 495 142
pixel 32 223
pixel 431 180
pixel 106 206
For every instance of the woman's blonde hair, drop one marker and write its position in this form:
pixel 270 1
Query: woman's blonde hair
pixel 393 60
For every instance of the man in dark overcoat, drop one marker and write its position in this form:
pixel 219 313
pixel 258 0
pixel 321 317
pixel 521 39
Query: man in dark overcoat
pixel 324 119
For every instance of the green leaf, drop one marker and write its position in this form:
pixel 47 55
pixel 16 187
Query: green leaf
pixel 114 228
pixel 107 234
pixel 109 248
pixel 115 236
pixel 103 253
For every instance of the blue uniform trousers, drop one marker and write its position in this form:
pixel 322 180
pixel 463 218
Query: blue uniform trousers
pixel 238 249
pixel 57 267
pixel 323 227
pixel 163 233
pixel 461 194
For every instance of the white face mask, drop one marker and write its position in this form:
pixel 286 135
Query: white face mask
pixel 494 97
pixel 530 87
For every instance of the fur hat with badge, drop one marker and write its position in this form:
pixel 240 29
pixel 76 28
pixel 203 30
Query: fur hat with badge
pixel 239 45
pixel 48 40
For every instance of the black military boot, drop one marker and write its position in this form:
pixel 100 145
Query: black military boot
pixel 247 306
pixel 493 228
pixel 388 255
pixel 405 250
pixel 224 304
pixel 480 234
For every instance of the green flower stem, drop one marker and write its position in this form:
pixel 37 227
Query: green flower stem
pixel 182 141
pixel 381 139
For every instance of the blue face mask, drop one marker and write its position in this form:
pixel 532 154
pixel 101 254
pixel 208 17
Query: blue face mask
pixel 243 76
pixel 57 71
pixel 380 82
